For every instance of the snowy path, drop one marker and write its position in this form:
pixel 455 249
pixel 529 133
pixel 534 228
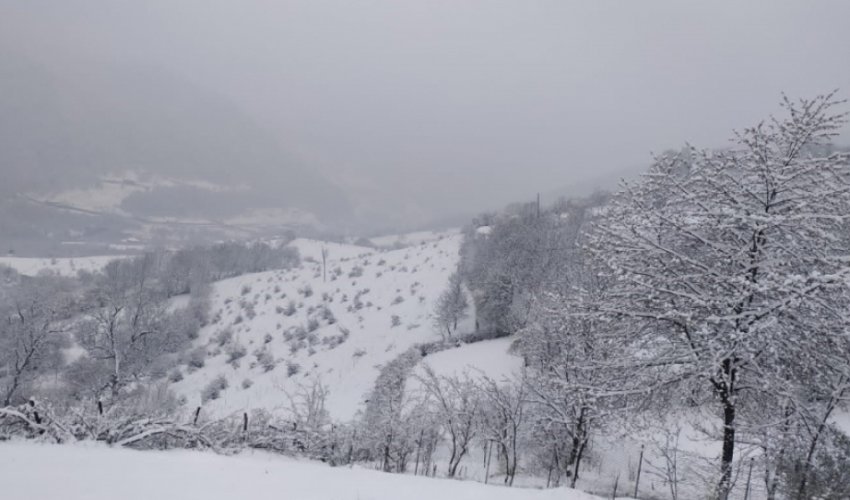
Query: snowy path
pixel 89 472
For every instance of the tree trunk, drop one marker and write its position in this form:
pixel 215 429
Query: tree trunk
pixel 728 455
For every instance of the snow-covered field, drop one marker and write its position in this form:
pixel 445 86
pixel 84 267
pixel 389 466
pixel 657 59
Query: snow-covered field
pixel 66 266
pixel 380 304
pixel 489 357
pixel 52 472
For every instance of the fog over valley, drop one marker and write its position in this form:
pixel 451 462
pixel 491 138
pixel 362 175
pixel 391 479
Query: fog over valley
pixel 424 250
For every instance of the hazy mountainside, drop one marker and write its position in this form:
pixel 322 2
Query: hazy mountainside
pixel 277 331
pixel 70 129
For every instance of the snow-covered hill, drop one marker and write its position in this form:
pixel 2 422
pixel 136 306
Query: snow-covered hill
pixel 63 266
pixel 100 473
pixel 277 331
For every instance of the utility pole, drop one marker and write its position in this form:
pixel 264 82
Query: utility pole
pixel 324 264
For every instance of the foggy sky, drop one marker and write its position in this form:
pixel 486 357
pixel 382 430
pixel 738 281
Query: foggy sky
pixel 439 107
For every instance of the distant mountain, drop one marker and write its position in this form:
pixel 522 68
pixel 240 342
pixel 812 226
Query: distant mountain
pixel 69 129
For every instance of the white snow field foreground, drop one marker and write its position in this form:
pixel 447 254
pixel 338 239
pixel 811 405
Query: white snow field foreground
pixel 30 471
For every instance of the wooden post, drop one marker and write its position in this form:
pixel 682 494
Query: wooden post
pixel 749 478
pixel 35 414
pixel 99 407
pixel 616 483
pixel 324 264
pixel 637 479
pixel 245 422
pixel 418 449
pixel 489 458
pixel 197 414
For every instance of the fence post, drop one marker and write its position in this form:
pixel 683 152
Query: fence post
pixel 100 407
pixel 616 483
pixel 749 478
pixel 197 414
pixel 637 479
pixel 489 458
pixel 245 422
pixel 418 449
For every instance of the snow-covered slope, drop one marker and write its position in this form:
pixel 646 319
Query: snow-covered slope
pixel 373 306
pixel 489 357
pixel 100 473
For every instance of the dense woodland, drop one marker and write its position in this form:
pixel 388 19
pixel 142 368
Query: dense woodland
pixel 710 292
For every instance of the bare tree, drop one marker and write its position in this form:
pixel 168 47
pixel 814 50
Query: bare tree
pixel 730 265
pixel 124 325
pixel 502 418
pixel 455 401
pixel 451 307
pixel 31 334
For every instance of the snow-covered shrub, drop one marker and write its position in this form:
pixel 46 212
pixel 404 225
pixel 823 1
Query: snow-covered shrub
pixel 328 315
pixel 213 390
pixel 266 360
pixel 196 358
pixel 312 324
pixel 223 337
pixel 235 352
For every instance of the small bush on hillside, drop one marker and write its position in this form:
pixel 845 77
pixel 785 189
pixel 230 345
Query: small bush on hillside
pixel 265 360
pixel 224 337
pixel 312 325
pixel 235 352
pixel 213 389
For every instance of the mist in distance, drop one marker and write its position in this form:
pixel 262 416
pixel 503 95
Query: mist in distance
pixel 380 115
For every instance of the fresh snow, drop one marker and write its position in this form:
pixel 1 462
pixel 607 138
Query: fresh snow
pixel 408 239
pixel 417 275
pixel 486 358
pixel 66 266
pixel 92 472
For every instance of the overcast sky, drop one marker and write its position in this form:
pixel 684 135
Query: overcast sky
pixel 459 105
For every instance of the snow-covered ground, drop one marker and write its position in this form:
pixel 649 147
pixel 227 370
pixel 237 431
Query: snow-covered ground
pixel 380 302
pixel 52 472
pixel 407 239
pixel 66 266
pixel 490 357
